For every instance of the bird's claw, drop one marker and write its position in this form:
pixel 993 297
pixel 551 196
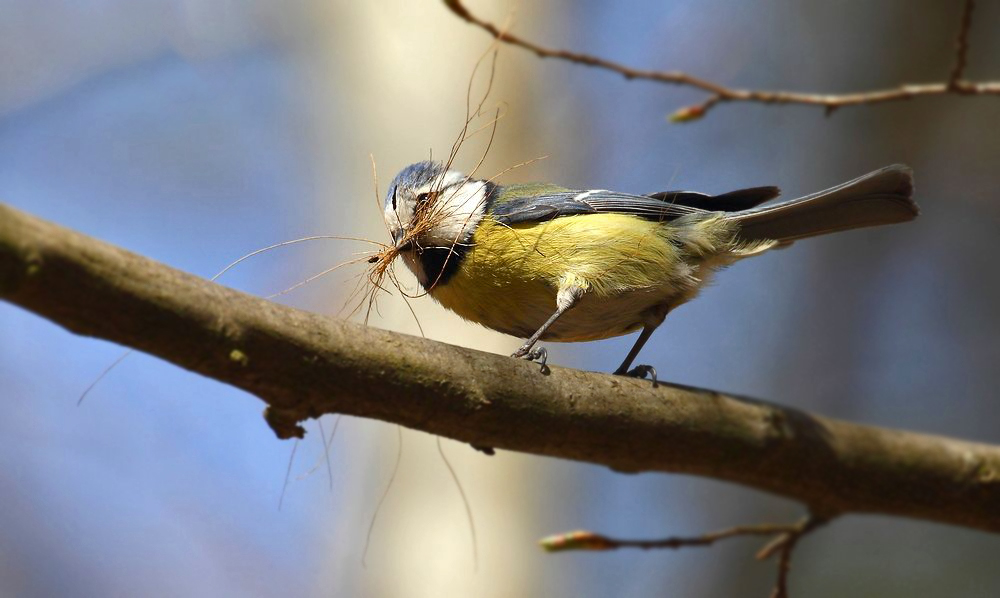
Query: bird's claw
pixel 641 371
pixel 539 354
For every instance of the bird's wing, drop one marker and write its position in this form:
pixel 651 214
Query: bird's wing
pixel 734 201
pixel 665 206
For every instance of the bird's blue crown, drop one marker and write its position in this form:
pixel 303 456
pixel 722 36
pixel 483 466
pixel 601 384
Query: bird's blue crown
pixel 414 176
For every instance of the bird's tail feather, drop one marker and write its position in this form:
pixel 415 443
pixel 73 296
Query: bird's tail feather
pixel 880 197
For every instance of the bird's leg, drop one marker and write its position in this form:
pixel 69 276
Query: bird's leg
pixel 641 371
pixel 525 350
pixel 647 331
pixel 566 298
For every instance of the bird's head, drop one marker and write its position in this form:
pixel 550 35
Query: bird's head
pixel 430 206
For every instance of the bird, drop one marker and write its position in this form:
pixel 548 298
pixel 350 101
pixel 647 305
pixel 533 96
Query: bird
pixel 543 262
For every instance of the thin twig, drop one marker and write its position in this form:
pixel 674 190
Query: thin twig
pixel 786 537
pixel 783 545
pixel 583 540
pixel 720 93
pixel 961 46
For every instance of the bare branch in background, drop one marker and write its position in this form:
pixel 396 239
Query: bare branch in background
pixel 720 93
pixel 784 545
pixel 786 537
pixel 583 540
pixel 962 46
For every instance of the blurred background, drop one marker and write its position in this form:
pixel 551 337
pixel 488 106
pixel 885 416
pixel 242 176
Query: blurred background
pixel 194 131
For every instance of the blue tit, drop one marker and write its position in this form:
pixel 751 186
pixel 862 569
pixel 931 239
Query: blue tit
pixel 543 262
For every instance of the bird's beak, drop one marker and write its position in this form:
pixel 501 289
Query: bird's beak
pixel 400 244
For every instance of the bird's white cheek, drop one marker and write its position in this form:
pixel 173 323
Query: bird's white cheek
pixel 461 215
pixel 448 233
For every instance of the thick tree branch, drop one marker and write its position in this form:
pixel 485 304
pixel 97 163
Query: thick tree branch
pixel 304 364
pixel 720 93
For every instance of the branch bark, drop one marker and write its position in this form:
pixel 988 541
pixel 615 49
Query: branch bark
pixel 303 364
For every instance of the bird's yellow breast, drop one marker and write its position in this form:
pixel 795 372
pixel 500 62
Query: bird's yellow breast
pixel 509 277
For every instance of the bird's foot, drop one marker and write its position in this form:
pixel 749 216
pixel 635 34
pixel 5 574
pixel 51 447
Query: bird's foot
pixel 540 355
pixel 640 371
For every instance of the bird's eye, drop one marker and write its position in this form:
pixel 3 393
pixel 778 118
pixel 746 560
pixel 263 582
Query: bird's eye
pixel 423 197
